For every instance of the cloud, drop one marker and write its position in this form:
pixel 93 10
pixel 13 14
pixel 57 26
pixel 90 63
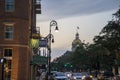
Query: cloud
pixel 70 14
pixel 55 9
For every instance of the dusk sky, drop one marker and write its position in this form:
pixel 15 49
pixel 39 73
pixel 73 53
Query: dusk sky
pixel 89 15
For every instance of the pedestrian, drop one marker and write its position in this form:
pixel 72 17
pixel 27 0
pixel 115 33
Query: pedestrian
pixel 51 77
pixel 102 78
pixel 43 75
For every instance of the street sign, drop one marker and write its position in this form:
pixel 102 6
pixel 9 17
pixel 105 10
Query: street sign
pixel 43 43
pixel 34 43
pixel 40 60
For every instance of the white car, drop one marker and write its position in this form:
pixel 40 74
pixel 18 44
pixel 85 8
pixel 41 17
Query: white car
pixel 60 76
pixel 76 76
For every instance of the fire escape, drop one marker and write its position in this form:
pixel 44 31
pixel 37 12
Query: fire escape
pixel 34 36
pixel 35 31
pixel 38 6
pixel 36 10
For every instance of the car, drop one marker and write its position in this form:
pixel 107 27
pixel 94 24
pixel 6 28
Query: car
pixel 107 75
pixel 60 76
pixel 68 74
pixel 76 76
pixel 117 77
pixel 80 76
pixel 53 73
pixel 86 75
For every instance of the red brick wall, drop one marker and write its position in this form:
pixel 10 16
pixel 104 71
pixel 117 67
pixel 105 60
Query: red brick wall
pixel 22 10
pixel 21 17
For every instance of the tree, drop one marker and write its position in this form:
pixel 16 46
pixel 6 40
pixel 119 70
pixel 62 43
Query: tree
pixel 109 37
pixel 110 34
pixel 79 57
pixel 62 61
pixel 98 57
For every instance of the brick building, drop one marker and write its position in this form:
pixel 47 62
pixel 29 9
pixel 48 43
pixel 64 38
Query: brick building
pixel 17 19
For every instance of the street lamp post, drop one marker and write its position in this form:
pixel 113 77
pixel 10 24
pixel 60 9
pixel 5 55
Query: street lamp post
pixel 2 61
pixel 50 38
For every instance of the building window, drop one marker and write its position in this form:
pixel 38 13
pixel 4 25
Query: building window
pixel 8 31
pixel 7 69
pixel 8 64
pixel 7 52
pixel 9 5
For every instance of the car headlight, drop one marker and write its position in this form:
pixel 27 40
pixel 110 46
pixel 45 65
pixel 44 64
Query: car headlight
pixel 91 76
pixel 68 75
pixel 74 78
pixel 83 77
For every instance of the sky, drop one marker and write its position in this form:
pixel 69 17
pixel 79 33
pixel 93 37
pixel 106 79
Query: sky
pixel 89 15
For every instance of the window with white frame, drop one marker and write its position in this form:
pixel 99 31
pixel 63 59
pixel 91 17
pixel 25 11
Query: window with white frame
pixel 8 31
pixel 9 5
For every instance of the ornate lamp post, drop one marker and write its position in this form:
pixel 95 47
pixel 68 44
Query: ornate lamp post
pixel 51 39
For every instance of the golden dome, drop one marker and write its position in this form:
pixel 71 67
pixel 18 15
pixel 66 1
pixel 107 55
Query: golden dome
pixel 76 42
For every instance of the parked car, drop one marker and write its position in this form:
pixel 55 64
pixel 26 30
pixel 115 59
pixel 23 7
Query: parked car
pixel 60 76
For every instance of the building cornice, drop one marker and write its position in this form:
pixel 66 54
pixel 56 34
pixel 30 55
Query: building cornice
pixel 14 45
pixel 12 18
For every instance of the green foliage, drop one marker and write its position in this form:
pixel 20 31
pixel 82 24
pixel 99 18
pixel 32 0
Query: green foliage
pixel 109 36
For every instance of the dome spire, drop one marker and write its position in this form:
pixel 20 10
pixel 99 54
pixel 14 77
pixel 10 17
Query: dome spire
pixel 77 29
pixel 77 34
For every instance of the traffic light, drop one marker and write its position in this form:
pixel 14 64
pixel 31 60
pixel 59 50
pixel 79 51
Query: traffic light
pixel 65 65
pixel 71 65
pixel 2 60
